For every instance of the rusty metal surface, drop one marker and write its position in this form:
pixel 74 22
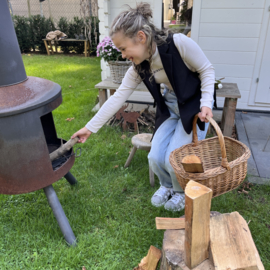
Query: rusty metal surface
pixel 27 95
pixel 19 185
pixel 25 164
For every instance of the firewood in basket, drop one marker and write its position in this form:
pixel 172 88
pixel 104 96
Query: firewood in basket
pixel 192 164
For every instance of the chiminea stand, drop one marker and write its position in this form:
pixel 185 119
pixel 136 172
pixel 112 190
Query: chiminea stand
pixel 60 214
pixel 53 199
pixel 201 241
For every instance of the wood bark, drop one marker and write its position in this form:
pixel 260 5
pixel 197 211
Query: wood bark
pixel 63 149
pixel 173 253
pixel 197 223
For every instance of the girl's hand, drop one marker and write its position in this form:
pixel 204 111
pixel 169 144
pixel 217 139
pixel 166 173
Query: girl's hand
pixel 205 111
pixel 83 135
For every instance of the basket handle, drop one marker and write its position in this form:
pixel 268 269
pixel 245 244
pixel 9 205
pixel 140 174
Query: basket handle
pixel 224 160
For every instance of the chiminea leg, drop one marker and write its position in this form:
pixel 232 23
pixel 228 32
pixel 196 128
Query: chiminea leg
pixel 70 178
pixel 60 215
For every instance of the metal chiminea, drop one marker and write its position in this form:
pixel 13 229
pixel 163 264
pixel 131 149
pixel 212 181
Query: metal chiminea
pixel 27 131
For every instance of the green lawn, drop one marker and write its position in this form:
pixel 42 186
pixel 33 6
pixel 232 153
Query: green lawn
pixel 109 210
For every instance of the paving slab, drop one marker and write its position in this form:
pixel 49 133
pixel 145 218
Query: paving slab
pixel 253 129
pixel 242 137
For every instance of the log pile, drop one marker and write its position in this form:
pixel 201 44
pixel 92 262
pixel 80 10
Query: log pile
pixel 132 121
pixel 207 240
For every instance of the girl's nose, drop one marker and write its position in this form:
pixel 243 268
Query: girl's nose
pixel 123 55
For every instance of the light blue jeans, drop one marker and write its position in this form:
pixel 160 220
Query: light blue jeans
pixel 169 136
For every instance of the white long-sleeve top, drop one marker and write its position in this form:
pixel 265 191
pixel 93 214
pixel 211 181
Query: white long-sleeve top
pixel 194 59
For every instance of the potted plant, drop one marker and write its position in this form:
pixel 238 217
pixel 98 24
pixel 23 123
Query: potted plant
pixel 173 21
pixel 118 66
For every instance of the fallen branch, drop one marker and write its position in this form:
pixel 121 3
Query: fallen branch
pixel 142 122
pixel 63 149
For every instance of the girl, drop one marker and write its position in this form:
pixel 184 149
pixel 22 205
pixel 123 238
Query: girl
pixel 177 62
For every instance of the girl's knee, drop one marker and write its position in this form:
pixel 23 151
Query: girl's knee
pixel 154 159
pixel 168 166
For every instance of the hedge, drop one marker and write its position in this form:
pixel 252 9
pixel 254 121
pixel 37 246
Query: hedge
pixel 31 30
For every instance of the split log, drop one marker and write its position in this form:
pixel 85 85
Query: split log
pixel 170 223
pixel 63 149
pixel 151 260
pixel 173 253
pixel 232 246
pixel 197 223
pixel 192 164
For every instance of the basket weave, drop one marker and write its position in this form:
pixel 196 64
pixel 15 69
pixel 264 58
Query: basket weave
pixel 224 161
pixel 118 70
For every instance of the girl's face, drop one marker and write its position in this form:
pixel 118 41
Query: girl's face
pixel 134 49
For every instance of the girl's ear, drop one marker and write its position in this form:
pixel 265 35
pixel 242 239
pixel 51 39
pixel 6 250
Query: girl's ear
pixel 141 37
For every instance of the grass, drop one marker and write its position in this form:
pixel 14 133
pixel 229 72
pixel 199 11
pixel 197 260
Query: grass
pixel 109 210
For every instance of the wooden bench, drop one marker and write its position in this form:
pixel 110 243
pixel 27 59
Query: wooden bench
pixel 229 91
pixel 49 48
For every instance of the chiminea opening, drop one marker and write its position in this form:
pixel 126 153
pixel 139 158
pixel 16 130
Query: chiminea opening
pixel 52 141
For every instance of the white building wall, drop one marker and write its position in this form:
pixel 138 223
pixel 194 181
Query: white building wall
pixel 229 33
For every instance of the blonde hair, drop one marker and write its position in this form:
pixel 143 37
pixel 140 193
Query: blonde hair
pixel 137 19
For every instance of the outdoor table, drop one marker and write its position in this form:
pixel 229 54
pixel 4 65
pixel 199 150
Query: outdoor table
pixel 49 48
pixel 229 91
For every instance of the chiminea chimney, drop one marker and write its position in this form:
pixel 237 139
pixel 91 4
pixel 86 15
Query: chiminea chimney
pixel 11 65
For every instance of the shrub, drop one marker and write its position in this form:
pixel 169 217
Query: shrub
pixel 63 26
pixel 39 27
pixel 76 26
pixel 22 29
pixel 31 31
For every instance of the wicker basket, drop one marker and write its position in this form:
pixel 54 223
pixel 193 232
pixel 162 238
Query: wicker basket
pixel 118 70
pixel 224 161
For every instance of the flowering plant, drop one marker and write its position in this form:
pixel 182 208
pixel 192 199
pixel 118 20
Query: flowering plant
pixel 107 50
pixel 218 84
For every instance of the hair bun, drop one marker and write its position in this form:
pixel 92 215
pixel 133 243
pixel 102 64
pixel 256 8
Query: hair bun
pixel 145 10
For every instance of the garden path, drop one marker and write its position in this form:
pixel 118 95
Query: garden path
pixel 253 129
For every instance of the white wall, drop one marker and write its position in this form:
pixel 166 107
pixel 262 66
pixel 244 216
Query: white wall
pixel 229 33
pixel 109 9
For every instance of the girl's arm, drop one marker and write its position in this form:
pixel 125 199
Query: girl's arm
pixel 110 107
